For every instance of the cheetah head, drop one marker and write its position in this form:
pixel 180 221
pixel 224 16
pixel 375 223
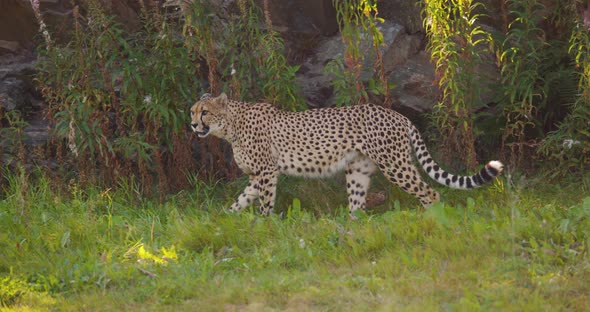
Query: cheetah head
pixel 208 115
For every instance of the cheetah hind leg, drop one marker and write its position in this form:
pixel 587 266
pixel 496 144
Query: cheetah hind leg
pixel 358 179
pixel 409 180
pixel 267 190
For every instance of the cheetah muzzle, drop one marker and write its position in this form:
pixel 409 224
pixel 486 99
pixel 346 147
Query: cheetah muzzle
pixel 358 139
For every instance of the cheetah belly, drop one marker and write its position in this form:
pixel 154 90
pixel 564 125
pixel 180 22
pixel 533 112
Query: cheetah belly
pixel 315 166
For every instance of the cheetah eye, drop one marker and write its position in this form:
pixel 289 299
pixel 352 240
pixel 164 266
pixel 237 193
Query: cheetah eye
pixel 204 113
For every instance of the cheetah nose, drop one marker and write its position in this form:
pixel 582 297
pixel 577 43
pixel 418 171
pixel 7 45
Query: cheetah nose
pixel 194 125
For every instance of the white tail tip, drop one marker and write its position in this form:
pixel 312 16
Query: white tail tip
pixel 496 165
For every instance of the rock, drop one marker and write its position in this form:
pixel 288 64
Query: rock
pixel 303 16
pixel 375 199
pixel 16 83
pixel 403 12
pixel 12 94
pixel 316 84
pixel 37 132
pixel 11 46
pixel 414 84
pixel 17 22
pixel 127 13
pixel 403 47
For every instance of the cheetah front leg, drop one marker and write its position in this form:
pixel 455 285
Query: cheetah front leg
pixel 261 186
pixel 248 196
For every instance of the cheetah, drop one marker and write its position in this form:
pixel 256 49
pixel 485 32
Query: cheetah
pixel 358 139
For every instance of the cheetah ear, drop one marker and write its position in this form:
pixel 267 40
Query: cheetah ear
pixel 222 99
pixel 205 96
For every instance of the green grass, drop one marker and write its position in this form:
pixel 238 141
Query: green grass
pixel 505 247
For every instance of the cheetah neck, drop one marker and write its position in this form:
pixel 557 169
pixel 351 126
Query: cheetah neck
pixel 229 132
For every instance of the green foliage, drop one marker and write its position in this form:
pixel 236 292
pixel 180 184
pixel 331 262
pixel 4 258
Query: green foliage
pixel 11 136
pixel 17 292
pixel 343 82
pixel 11 289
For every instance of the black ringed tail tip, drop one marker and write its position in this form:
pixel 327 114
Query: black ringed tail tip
pixel 489 172
pixel 494 168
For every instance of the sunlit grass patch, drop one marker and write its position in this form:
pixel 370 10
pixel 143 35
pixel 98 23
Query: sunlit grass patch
pixel 101 249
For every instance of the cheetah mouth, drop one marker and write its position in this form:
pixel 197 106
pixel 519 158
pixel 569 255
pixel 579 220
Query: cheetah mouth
pixel 202 134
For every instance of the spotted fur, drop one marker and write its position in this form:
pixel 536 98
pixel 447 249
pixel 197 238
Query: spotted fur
pixel 359 139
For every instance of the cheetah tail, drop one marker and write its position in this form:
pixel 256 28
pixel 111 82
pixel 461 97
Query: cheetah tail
pixel 491 170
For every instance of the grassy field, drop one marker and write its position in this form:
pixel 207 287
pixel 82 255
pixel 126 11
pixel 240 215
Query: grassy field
pixel 514 246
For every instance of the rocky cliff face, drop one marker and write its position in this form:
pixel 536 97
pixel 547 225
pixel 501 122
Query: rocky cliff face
pixel 309 27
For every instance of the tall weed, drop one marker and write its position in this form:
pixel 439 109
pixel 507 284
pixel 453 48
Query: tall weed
pixel 120 101
pixel 358 21
pixel 243 58
pixel 568 147
pixel 522 77
pixel 255 60
pixel 456 43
